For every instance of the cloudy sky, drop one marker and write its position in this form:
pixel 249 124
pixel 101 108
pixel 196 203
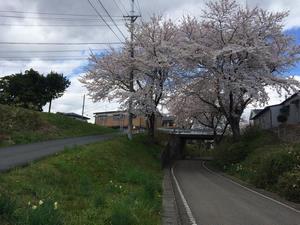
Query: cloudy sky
pixel 75 21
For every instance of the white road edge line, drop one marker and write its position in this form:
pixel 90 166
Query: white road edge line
pixel 186 205
pixel 255 192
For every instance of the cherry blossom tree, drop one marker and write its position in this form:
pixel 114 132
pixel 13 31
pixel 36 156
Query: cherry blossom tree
pixel 236 52
pixel 191 112
pixel 154 66
pixel 109 74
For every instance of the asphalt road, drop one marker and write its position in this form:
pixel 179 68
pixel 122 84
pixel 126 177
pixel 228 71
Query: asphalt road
pixel 214 200
pixel 21 155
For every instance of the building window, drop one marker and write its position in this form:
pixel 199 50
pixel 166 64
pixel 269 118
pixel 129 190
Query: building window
pixel 116 117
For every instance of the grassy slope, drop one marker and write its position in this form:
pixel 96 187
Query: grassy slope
pixel 95 184
pixel 261 159
pixel 21 126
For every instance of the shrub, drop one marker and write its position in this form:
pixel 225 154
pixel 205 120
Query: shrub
pixel 45 213
pixel 228 154
pixel 289 186
pixel 271 166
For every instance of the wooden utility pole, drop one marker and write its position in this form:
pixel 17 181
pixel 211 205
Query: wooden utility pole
pixel 132 18
pixel 83 106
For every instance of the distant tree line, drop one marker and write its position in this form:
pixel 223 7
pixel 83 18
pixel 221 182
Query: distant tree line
pixel 32 90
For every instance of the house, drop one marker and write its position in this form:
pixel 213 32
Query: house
pixel 75 116
pixel 287 112
pixel 119 120
pixel 168 121
pixel 253 113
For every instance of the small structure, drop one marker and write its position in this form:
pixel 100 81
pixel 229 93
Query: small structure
pixel 287 112
pixel 75 116
pixel 119 120
pixel 168 121
pixel 253 113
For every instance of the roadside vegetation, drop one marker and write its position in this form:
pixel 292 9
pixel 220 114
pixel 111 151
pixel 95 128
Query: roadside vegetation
pixel 115 182
pixel 264 161
pixel 198 148
pixel 22 126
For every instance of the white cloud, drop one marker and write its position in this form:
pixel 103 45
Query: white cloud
pixel 72 100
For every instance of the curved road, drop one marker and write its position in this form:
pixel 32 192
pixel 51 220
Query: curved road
pixel 21 155
pixel 214 200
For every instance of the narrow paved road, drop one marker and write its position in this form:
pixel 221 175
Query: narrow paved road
pixel 214 200
pixel 20 155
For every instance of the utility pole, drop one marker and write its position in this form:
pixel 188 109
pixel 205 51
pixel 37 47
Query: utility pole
pixel 83 105
pixel 132 18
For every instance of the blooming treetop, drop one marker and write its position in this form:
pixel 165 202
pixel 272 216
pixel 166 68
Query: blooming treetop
pixel 236 52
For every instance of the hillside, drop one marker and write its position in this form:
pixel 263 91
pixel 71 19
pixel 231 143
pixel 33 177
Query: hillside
pixel 116 182
pixel 21 126
pixel 266 162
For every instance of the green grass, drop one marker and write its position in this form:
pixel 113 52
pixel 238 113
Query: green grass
pixel 21 126
pixel 114 182
pixel 261 159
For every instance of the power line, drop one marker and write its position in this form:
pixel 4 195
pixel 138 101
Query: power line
pixel 54 51
pixel 102 18
pixel 55 25
pixel 42 59
pixel 111 19
pixel 119 7
pixel 59 43
pixel 123 6
pixel 54 14
pixel 139 7
pixel 52 18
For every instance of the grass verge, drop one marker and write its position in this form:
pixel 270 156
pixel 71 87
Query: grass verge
pixel 115 182
pixel 21 126
pixel 261 159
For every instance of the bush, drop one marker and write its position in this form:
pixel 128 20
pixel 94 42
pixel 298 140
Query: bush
pixel 228 154
pixel 289 186
pixel 271 166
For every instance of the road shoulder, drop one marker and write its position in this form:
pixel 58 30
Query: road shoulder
pixel 170 214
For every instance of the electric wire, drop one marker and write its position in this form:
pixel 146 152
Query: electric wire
pixel 54 14
pixel 53 18
pixel 99 1
pixel 102 18
pixel 118 6
pixel 59 43
pixel 56 25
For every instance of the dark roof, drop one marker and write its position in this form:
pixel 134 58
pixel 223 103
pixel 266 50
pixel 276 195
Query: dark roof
pixel 108 112
pixel 74 115
pixel 168 118
pixel 254 112
pixel 267 108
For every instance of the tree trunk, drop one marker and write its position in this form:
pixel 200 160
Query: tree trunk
pixel 50 104
pixel 151 125
pixel 235 127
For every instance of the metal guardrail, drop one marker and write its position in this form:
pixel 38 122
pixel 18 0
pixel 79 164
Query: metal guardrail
pixel 188 131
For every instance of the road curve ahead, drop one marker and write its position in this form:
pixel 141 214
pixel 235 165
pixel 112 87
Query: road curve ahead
pixel 20 155
pixel 214 200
